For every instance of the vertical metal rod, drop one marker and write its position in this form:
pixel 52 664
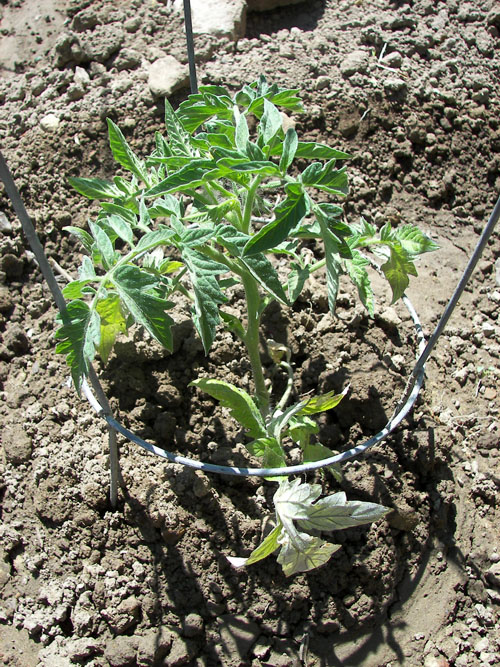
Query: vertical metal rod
pixel 48 274
pixel 471 265
pixel 190 46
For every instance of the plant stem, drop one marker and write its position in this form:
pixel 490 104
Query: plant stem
pixel 251 340
pixel 247 213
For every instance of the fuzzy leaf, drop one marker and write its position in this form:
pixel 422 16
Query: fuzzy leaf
pixel 336 513
pixel 189 177
pixel 270 123
pixel 414 241
pixel 322 403
pixel 289 149
pixel 310 150
pixel 293 499
pixel 397 269
pixel 104 245
pixel 207 293
pixel 326 177
pixel 83 236
pixel 304 553
pixel 95 188
pixel 357 270
pixel 288 216
pixel 265 548
pixel 296 280
pixel 240 404
pixel 332 256
pixel 179 140
pixel 79 336
pixel 137 290
pixel 123 154
pixel 112 323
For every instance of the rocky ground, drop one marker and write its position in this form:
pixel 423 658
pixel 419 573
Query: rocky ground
pixel 411 90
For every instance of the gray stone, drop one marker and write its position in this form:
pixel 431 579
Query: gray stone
pixel 221 18
pixel 101 43
pixel 127 59
pixel 356 61
pixel 80 650
pixel 6 300
pixel 166 75
pixel 192 626
pixel 181 653
pixel 50 123
pixel 395 86
pixel 16 444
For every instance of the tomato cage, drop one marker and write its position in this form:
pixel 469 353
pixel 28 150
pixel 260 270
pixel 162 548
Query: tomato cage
pixel 95 395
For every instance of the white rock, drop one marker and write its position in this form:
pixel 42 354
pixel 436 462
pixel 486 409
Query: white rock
pixel 221 18
pixel 50 123
pixel 166 75
pixel 81 77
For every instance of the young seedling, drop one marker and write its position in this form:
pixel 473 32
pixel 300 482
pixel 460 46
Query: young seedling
pixel 190 220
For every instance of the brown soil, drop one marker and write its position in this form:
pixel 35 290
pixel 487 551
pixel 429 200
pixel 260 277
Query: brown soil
pixel 149 584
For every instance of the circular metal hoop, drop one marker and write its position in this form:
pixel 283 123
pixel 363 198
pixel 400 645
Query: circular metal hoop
pixel 407 401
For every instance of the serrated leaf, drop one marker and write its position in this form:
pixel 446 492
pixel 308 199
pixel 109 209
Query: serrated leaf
pixel 150 240
pixel 242 134
pixel 397 269
pixel 293 499
pixel 289 149
pixel 239 403
pixel 138 291
pixel 304 553
pixel 123 154
pixel 199 108
pixel 113 322
pixel 179 140
pixel 74 289
pixel 83 236
pixel 357 270
pixel 335 512
pixel 86 270
pixel 270 122
pixel 104 245
pixel 322 403
pixel 265 548
pixel 207 293
pixel 95 188
pixel 121 227
pixel 189 177
pixel 129 215
pixel 230 166
pixel 414 241
pixel 310 150
pixel 288 214
pixel 326 177
pixel 332 257
pixel 79 336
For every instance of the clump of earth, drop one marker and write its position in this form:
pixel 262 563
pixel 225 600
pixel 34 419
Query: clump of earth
pixel 410 89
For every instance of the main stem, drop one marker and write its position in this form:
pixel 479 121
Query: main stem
pixel 251 340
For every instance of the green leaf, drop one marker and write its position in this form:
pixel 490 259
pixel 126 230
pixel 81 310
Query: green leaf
pixel 296 280
pixel 357 270
pixel 288 214
pixel 189 177
pixel 332 256
pixel 123 154
pixel 289 150
pixel 270 123
pixel 121 227
pixel 207 293
pixel 95 188
pixel 113 322
pixel 232 323
pixel 397 269
pixel 229 166
pixel 315 451
pixel 75 289
pixel 83 236
pixel 292 499
pixel 336 513
pixel 79 336
pixel 310 150
pixel 150 240
pixel 129 215
pixel 414 241
pixel 179 139
pixel 199 108
pixel 322 403
pixel 242 134
pixel 240 404
pixel 326 177
pixel 258 265
pixel 86 270
pixel 104 245
pixel 304 553
pixel 138 291
pixel 265 548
